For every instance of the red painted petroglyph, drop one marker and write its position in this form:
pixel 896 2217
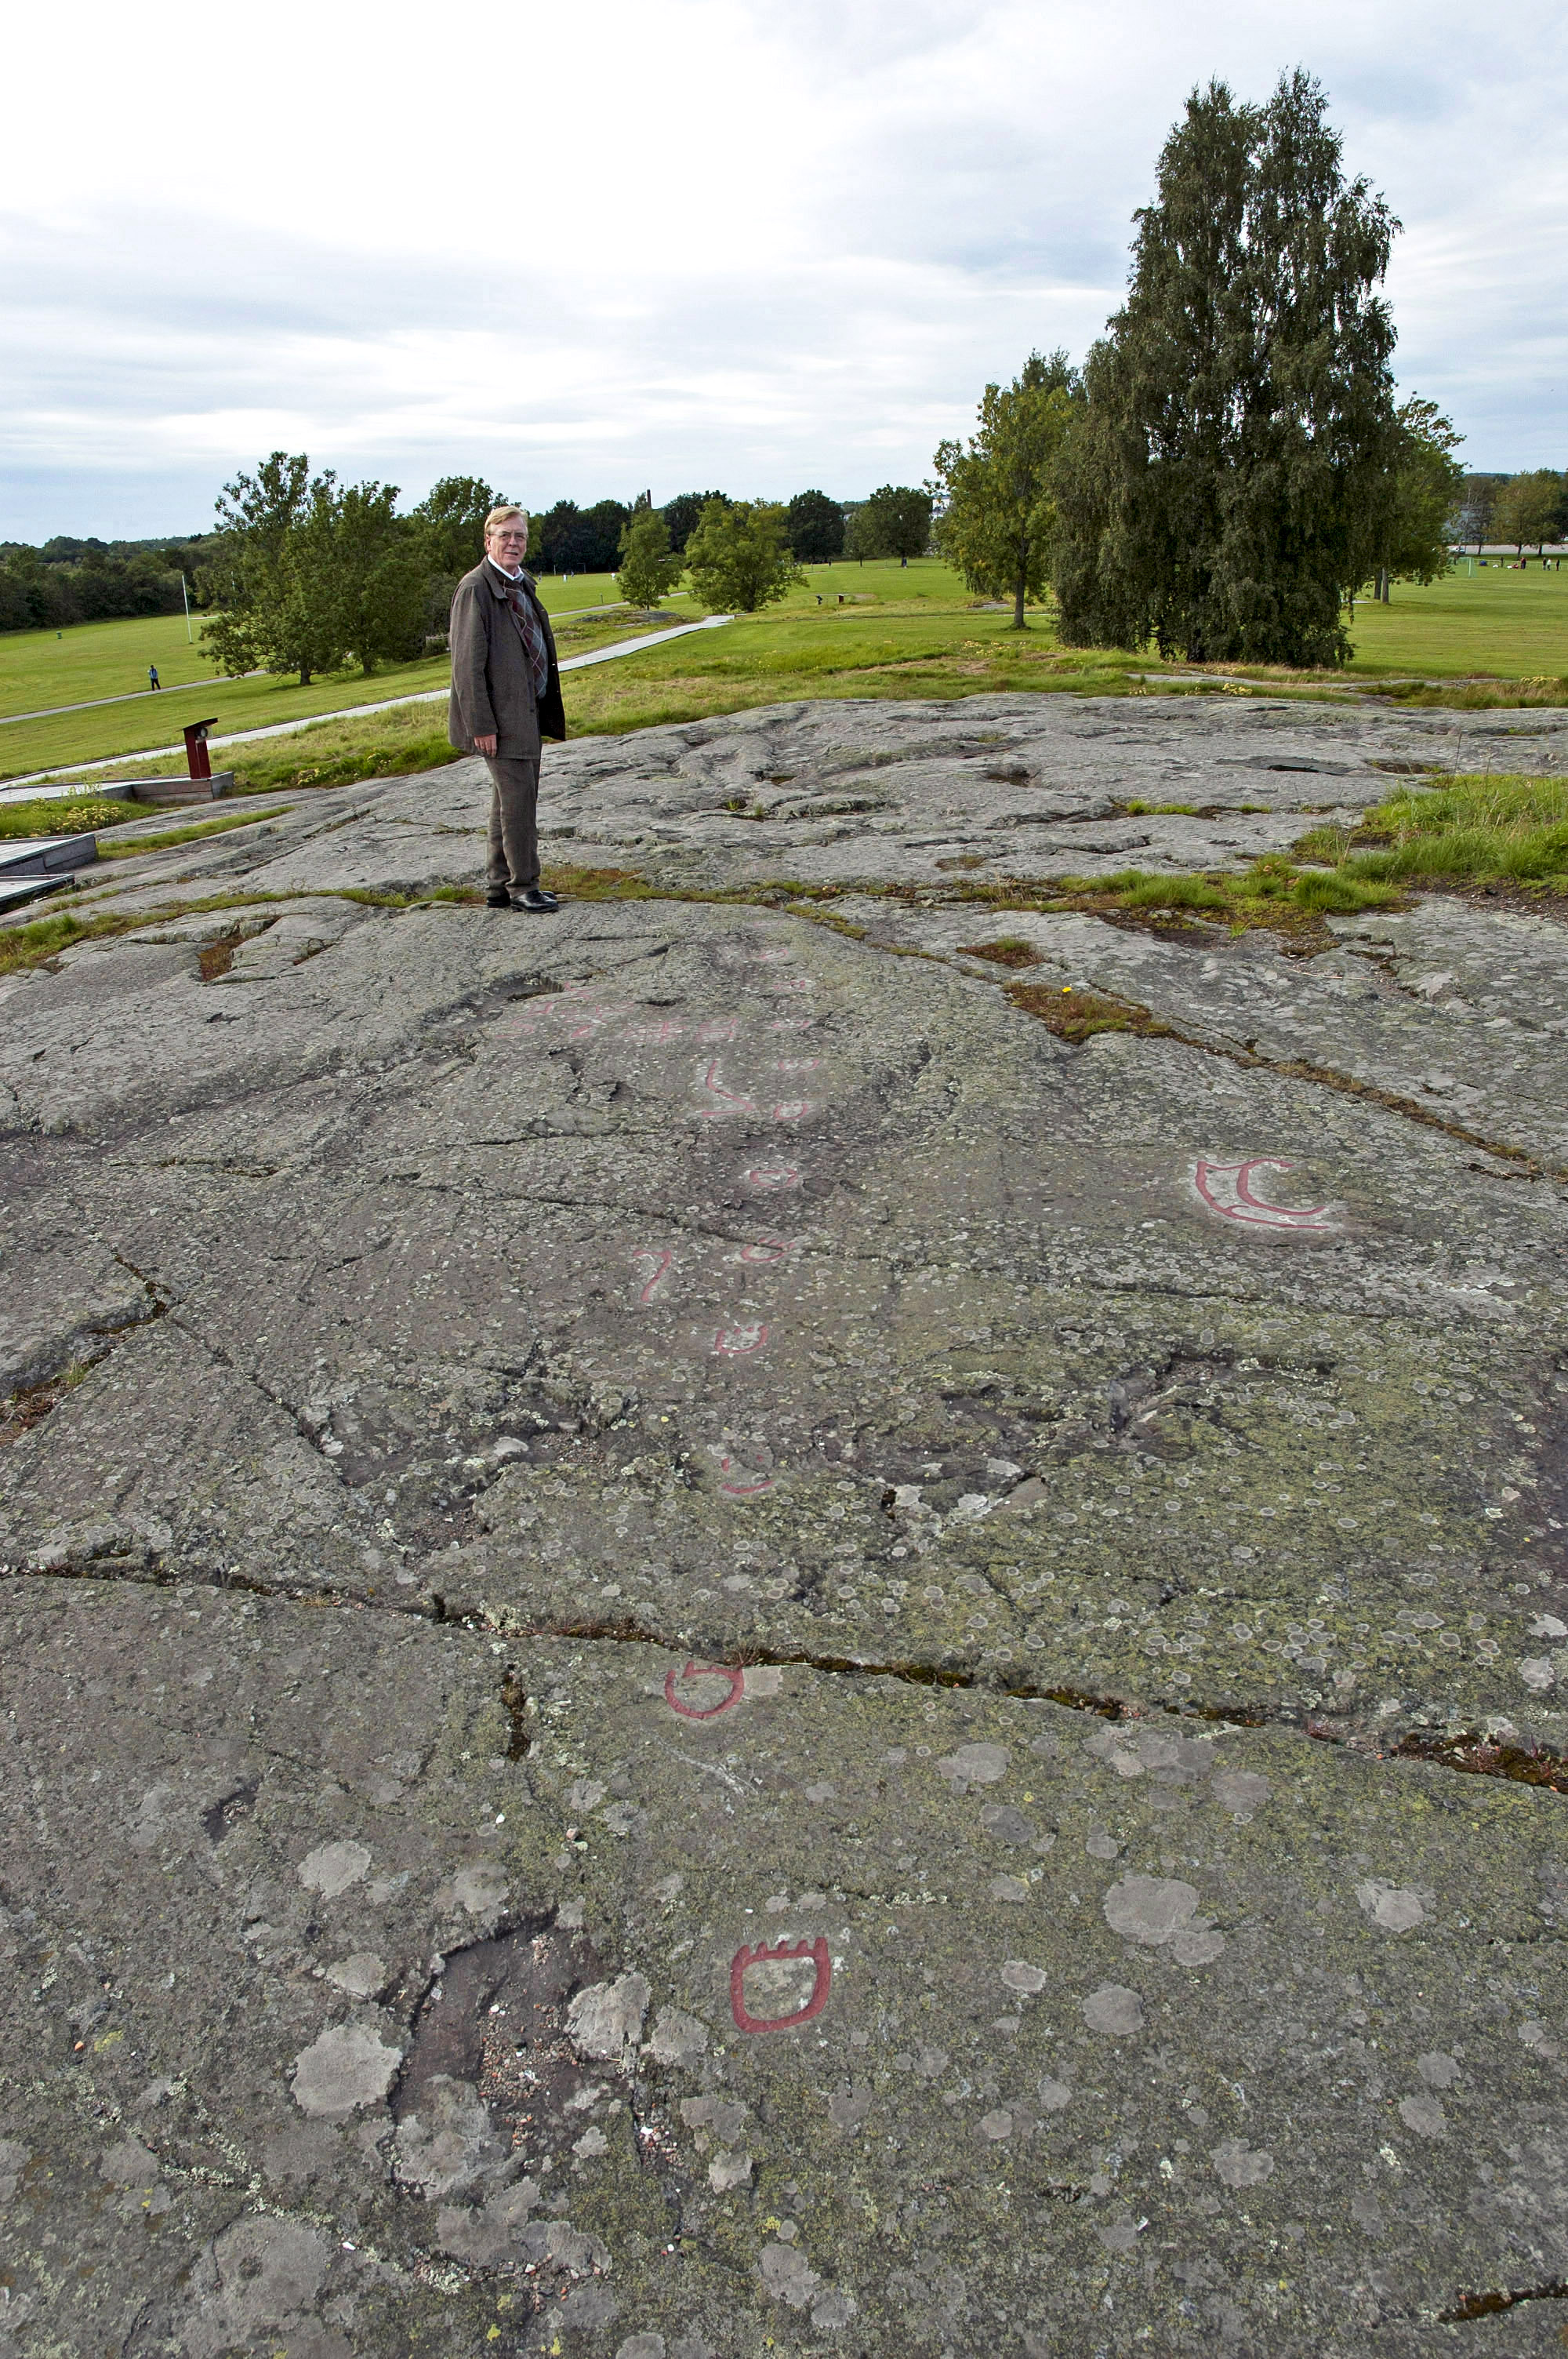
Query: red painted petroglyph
pixel 793 982
pixel 656 1263
pixel 772 1175
pixel 733 1676
pixel 655 1036
pixel 790 1024
pixel 743 1482
pixel 746 1335
pixel 736 1480
pixel 594 1019
pixel 766 1249
pixel 720 1027
pixel 822 1983
pixel 797 1064
pixel 727 1101
pixel 792 1110
pixel 1228 1189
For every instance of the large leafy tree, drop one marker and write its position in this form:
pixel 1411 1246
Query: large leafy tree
pixel 570 539
pixel 895 521
pixel 276 607
pixel 816 528
pixel 1530 508
pixel 997 501
pixel 684 514
pixel 605 522
pixel 1422 497
pixel 648 570
pixel 450 520
pixel 449 523
pixel 1226 488
pixel 306 575
pixel 375 560
pixel 560 541
pixel 739 557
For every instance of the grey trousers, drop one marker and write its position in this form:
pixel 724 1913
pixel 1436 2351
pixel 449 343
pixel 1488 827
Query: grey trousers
pixel 514 833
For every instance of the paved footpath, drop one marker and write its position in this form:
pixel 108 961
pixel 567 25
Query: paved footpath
pixel 710 1652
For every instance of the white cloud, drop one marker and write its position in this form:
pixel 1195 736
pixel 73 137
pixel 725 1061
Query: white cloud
pixel 708 241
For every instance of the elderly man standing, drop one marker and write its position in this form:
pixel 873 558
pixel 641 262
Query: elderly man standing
pixel 506 694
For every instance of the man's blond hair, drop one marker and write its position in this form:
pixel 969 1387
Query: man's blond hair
pixel 502 515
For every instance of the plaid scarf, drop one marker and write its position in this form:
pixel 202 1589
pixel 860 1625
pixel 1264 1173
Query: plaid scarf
pixel 528 623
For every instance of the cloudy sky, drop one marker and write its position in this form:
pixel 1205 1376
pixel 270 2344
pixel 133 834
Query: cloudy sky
pixel 583 249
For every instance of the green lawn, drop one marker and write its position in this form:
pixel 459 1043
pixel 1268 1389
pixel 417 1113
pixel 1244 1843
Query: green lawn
pixel 33 676
pixel 1512 626
pixel 901 632
pixel 874 630
pixel 42 669
pixel 39 670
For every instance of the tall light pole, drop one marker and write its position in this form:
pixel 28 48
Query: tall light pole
pixel 185 594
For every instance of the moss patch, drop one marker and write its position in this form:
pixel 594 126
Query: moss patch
pixel 29 1407
pixel 1077 1016
pixel 166 837
pixel 1009 950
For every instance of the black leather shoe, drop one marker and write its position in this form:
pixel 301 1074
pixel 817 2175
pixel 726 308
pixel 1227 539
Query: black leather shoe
pixel 533 897
pixel 498 901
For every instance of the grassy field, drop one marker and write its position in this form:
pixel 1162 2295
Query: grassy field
pixel 915 633
pixel 874 630
pixel 1513 625
pixel 42 669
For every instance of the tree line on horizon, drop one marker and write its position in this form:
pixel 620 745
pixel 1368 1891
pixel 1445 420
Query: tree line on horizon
pixel 306 575
pixel 68 580
pixel 1517 512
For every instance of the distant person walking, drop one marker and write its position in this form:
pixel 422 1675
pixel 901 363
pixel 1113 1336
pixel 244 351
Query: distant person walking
pixel 506 694
pixel 152 675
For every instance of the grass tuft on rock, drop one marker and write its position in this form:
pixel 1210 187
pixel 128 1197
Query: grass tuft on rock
pixel 1009 950
pixel 163 839
pixel 1474 829
pixel 1077 1016
pixel 42 938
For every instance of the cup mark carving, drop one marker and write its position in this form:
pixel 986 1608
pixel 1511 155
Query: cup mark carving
pixel 738 1481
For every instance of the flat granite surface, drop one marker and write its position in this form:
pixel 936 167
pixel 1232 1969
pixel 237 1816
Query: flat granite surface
pixel 709 1651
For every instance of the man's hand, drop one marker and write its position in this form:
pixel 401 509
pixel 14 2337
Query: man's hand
pixel 484 744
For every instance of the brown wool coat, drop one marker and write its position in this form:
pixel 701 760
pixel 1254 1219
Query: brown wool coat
pixel 492 688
